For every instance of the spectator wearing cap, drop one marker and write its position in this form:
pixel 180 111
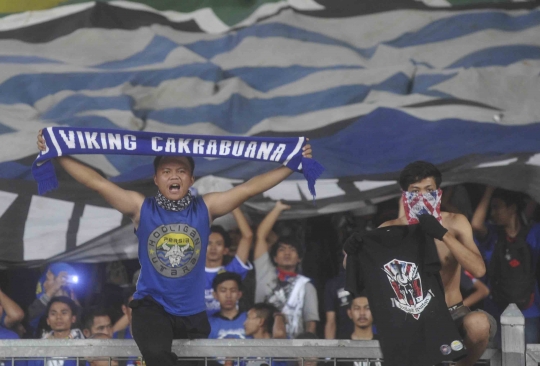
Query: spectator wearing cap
pixel 219 243
pixel 57 280
pixel 278 280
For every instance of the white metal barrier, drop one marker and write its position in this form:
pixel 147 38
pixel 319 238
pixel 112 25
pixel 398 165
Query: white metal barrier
pixel 513 353
pixel 329 351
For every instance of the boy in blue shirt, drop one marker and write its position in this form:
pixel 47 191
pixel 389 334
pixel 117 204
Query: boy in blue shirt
pixel 219 243
pixel 229 321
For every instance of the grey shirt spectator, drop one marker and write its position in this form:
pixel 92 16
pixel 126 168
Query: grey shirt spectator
pixel 277 279
pixel 268 283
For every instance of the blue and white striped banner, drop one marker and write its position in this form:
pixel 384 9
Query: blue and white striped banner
pixel 373 89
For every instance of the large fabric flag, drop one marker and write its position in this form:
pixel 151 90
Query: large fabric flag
pixel 373 85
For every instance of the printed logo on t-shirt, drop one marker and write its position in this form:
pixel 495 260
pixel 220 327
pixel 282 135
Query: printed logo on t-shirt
pixel 174 249
pixel 343 296
pixel 239 333
pixel 407 285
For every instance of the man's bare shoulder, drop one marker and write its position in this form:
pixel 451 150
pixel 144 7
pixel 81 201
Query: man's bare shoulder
pixel 454 220
pixel 399 221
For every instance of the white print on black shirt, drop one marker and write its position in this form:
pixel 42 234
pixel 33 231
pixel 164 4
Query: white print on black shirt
pixel 407 285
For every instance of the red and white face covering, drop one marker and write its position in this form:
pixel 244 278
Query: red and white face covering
pixel 416 204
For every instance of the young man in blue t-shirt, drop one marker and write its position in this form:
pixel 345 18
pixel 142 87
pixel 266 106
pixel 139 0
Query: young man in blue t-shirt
pixel 228 322
pixel 172 229
pixel 219 243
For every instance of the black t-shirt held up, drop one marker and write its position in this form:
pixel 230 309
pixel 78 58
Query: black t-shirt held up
pixel 398 268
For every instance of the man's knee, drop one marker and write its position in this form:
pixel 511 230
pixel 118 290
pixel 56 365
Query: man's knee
pixel 477 326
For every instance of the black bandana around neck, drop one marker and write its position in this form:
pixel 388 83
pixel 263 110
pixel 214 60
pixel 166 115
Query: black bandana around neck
pixel 171 205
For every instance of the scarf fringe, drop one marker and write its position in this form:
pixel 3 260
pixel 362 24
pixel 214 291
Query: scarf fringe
pixel 45 176
pixel 312 171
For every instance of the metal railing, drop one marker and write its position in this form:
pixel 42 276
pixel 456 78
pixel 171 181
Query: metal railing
pixel 514 351
pixel 329 351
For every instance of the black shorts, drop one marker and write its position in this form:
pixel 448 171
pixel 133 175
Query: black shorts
pixel 146 310
pixel 458 313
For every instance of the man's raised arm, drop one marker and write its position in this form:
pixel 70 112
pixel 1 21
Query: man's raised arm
pixel 265 227
pixel 14 313
pixel 478 221
pixel 221 203
pixel 127 202
pixel 242 252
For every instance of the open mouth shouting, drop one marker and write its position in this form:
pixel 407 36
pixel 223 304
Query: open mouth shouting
pixel 174 188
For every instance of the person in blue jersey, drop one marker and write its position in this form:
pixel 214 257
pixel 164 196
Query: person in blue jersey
pixel 219 243
pixel 172 229
pixel 229 321
pixel 511 250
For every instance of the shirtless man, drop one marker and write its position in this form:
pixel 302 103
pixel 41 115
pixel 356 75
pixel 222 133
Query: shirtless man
pixel 169 301
pixel 457 249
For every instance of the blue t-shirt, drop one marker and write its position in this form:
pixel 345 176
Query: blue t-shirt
pixel 127 334
pixel 172 254
pixel 261 361
pixel 236 266
pixel 9 334
pixel 41 363
pixel 227 328
pixel 486 248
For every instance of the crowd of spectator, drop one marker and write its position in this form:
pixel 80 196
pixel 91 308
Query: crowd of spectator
pixel 290 283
